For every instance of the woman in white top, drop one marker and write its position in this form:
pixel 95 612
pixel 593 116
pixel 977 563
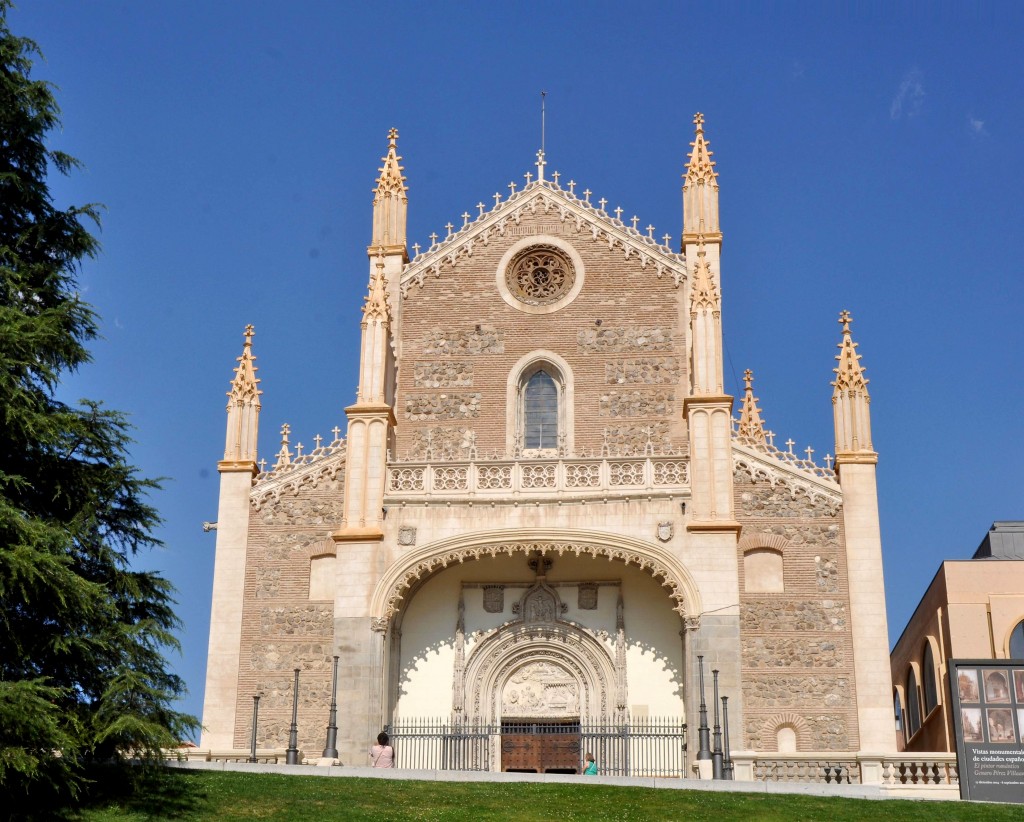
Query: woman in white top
pixel 382 755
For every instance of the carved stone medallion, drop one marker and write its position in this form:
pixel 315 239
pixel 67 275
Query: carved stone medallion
pixel 407 535
pixel 665 531
pixel 587 596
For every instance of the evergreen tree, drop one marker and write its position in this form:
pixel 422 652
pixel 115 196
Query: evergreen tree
pixel 82 673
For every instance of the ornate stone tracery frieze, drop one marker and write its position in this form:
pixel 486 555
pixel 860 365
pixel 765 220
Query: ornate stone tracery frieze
pixel 544 197
pixel 681 591
pixel 760 469
pixel 327 462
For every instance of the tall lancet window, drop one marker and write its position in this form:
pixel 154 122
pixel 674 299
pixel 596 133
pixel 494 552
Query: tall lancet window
pixel 540 412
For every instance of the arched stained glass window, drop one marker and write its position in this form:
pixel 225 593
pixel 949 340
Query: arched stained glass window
pixel 1017 641
pixel 540 412
pixel 931 692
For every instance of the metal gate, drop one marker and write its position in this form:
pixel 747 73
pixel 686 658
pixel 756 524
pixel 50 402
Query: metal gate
pixel 649 746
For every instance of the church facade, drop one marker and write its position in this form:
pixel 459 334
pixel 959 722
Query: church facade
pixel 545 508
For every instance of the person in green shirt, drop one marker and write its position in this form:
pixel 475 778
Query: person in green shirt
pixel 591 769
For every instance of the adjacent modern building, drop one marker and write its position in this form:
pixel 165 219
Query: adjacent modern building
pixel 542 508
pixel 973 609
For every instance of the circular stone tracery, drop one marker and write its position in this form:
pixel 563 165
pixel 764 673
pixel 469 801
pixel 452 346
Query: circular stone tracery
pixel 540 275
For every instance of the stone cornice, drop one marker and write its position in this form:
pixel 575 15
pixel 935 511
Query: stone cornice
pixel 237 467
pixel 543 197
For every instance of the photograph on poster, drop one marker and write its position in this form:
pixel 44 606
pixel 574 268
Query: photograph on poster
pixel 967 683
pixel 1000 725
pixel 1020 724
pixel 1018 684
pixel 970 718
pixel 997 689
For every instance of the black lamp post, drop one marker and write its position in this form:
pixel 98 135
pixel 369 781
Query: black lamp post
pixel 331 748
pixel 716 755
pixel 703 732
pixel 727 768
pixel 292 754
pixel 255 721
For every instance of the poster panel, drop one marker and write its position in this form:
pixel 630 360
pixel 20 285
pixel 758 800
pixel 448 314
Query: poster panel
pixel 988 718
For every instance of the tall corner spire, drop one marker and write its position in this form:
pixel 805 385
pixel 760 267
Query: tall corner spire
pixel 751 425
pixel 390 202
pixel 850 399
pixel 700 189
pixel 243 407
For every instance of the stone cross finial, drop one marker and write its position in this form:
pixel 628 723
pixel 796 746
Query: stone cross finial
pixel 635 221
pixel 666 240
pixel 449 226
pixel 789 444
pixel 416 249
pixel 572 187
pixel 602 202
pixel 698 121
pixel 497 199
pixel 618 214
pixel 555 177
pixel 770 436
pixel 586 195
pixel 809 451
pixel 337 433
pixel 286 429
pixel 298 450
pixel 748 378
pixel 263 466
pixel 393 136
pixel 512 188
pixel 433 239
pixel 528 177
pixel 828 460
pixel 481 206
pixel 844 320
pixel 465 218
pixel 318 439
pixel 650 231
pixel 250 332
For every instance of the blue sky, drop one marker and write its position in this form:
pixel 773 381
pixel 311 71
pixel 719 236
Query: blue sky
pixel 869 160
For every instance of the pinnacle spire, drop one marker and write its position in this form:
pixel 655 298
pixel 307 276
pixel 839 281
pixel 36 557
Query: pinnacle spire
pixel 851 403
pixel 390 201
pixel 700 188
pixel 375 306
pixel 243 411
pixel 705 292
pixel 751 425
pixel 849 373
pixel 244 384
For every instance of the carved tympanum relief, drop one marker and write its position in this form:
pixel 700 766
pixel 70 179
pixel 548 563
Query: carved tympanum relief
pixel 540 689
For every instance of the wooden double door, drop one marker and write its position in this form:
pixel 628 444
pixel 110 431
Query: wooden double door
pixel 540 747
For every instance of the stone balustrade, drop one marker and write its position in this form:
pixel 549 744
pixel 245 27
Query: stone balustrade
pixel 519 480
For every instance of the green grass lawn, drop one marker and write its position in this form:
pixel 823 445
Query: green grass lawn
pixel 228 796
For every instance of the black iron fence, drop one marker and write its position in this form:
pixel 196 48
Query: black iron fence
pixel 648 746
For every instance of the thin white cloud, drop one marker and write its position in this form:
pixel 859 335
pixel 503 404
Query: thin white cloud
pixel 909 99
pixel 976 126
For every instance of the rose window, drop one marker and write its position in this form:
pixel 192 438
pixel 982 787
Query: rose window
pixel 540 275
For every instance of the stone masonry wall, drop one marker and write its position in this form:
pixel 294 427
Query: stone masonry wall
pixel 797 644
pixel 282 629
pixel 624 337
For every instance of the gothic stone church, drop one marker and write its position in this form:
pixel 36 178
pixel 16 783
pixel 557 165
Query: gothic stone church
pixel 544 510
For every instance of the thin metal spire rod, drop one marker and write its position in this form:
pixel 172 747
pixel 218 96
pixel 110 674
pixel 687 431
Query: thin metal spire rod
pixel 543 95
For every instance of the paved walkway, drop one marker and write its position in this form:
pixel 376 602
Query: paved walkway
pixel 807 789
